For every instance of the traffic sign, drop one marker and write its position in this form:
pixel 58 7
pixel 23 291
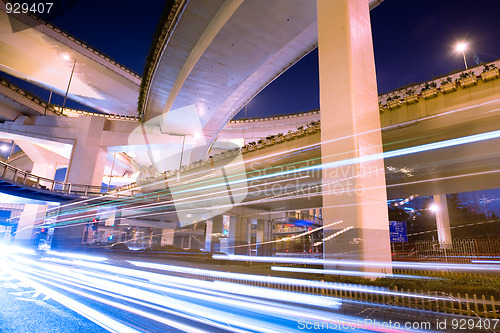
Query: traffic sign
pixel 398 232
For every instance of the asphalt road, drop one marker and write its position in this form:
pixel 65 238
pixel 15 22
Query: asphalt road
pixel 26 309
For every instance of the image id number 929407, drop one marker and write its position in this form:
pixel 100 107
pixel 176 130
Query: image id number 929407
pixel 27 8
pixel 474 323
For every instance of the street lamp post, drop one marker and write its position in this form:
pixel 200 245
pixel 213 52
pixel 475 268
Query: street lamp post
pixel 461 47
pixel 66 57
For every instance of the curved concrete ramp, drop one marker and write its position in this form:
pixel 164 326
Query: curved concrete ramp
pixel 217 55
pixel 44 55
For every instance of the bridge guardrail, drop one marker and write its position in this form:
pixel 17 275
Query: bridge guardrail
pixel 23 177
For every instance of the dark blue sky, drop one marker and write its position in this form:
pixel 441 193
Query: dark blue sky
pixel 413 42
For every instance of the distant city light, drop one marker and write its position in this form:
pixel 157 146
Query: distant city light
pixel 434 208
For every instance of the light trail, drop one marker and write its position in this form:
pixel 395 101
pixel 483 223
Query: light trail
pixel 308 195
pixel 292 151
pixel 82 282
pixel 352 263
pixel 286 239
pixel 364 159
pixel 369 158
pixel 85 311
pixel 156 297
pixel 76 256
pixel 278 280
pixel 177 206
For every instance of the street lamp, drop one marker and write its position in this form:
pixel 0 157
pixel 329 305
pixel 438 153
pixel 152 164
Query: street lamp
pixel 5 148
pixel 434 208
pixel 67 57
pixel 461 47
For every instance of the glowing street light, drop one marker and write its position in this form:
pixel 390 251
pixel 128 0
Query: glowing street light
pixel 434 208
pixel 5 148
pixel 461 47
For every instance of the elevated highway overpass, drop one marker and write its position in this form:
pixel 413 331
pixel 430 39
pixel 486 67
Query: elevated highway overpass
pixel 17 102
pixel 42 54
pixel 214 57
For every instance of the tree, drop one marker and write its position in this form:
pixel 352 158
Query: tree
pixel 469 220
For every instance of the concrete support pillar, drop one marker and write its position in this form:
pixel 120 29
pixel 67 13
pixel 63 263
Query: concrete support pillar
pixel 263 236
pixel 233 239
pixel 217 226
pixel 88 159
pixel 208 235
pixel 442 220
pixel 214 226
pixel 239 233
pixel 353 190
pixel 31 216
pixel 167 237
pixel 250 225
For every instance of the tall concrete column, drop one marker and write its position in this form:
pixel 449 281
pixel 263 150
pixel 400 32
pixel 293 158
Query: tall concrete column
pixel 208 235
pixel 442 220
pixel 45 163
pixel 262 236
pixel 88 159
pixel 239 235
pixel 218 223
pixel 32 215
pixel 214 226
pixel 167 236
pixel 353 193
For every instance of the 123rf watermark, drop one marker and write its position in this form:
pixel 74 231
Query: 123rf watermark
pixel 455 324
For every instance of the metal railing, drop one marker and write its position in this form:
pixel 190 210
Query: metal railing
pixel 462 251
pixel 23 177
